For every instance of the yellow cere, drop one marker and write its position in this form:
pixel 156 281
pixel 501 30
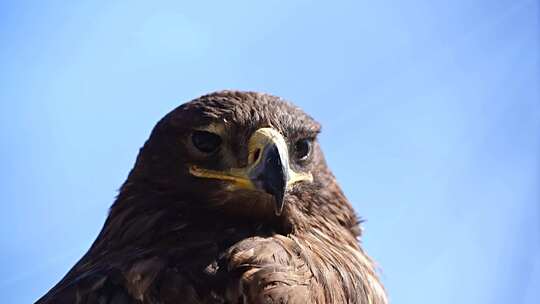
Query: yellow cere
pixel 240 176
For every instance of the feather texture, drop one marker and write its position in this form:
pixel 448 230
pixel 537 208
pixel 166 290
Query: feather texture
pixel 174 238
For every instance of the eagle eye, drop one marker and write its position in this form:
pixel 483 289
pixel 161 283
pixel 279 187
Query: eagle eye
pixel 302 149
pixel 205 141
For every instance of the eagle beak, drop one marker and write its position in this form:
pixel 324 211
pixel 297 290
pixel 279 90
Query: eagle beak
pixel 268 168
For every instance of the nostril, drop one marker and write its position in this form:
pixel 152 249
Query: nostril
pixel 256 155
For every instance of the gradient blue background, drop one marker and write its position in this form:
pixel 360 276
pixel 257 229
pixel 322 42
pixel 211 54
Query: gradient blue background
pixel 431 114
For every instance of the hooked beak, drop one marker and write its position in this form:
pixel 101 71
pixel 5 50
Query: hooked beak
pixel 268 168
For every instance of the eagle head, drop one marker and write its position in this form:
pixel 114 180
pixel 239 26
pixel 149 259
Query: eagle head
pixel 244 154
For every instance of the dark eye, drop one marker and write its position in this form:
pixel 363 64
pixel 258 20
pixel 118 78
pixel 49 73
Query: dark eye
pixel 302 149
pixel 206 142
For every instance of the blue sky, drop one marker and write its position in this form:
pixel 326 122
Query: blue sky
pixel 430 113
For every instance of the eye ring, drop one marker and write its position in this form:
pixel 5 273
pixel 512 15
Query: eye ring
pixel 206 142
pixel 302 149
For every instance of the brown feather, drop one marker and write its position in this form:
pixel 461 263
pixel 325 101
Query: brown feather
pixel 173 238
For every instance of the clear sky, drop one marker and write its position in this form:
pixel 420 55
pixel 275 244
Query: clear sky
pixel 430 113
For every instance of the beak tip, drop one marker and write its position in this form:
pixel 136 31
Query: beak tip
pixel 279 201
pixel 278 207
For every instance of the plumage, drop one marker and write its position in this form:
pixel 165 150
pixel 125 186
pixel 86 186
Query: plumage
pixel 230 201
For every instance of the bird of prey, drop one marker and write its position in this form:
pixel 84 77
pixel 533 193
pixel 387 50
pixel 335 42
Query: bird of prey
pixel 230 201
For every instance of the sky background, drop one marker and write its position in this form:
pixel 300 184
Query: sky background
pixel 430 113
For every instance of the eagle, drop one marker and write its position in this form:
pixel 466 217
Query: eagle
pixel 230 201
